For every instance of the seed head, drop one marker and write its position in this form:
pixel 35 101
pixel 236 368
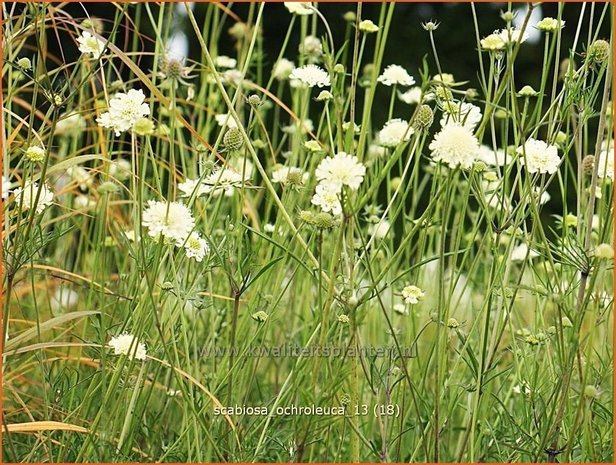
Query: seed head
pixel 423 118
pixel 598 53
pixel 233 139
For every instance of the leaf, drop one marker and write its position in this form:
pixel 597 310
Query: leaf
pixel 36 426
pixel 31 333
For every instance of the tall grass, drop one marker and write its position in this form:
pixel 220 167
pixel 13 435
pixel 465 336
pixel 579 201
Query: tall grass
pixel 507 356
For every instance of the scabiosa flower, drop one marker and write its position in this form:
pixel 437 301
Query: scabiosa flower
pixel 492 42
pixel 550 24
pixel 304 126
pixel 70 124
pixel 312 48
pixel 190 186
pixel 285 174
pixel 491 157
pixel 171 220
pixel 463 113
pixel 606 164
pixel 380 229
pixel 26 197
pixel 225 118
pixel 127 344
pixel 412 294
pixel 90 45
pixel 455 145
pixel 224 180
pixel 414 96
pixel 224 61
pixel 326 197
pixel 124 111
pixel 282 69
pixel 394 132
pixel 539 157
pixel 511 36
pixel 368 26
pixel 341 170
pixel 35 153
pixel 300 8
pixel 310 76
pixel 396 75
pixel 196 247
pixel 521 252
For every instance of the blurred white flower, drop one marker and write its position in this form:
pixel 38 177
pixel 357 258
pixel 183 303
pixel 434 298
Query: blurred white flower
pixel 26 197
pixel 521 252
pixel 413 96
pixel 538 157
pixel 63 299
pixel 304 127
pixel 190 186
pixel 224 61
pixel 300 8
pixel 196 247
pixel 394 132
pixel 326 197
pixel 124 111
pixel 223 180
pixel 90 45
pixel 232 76
pixel 341 170
pixel 225 118
pixel 282 69
pixel 379 230
pixel 172 220
pixel 396 75
pixel 511 36
pixel 605 161
pixel 70 124
pixel 311 47
pixel 127 344
pixel 412 294
pixel 310 76
pixel 35 153
pixel 491 157
pixel 120 169
pixel 463 113
pixel 281 174
pixel 455 145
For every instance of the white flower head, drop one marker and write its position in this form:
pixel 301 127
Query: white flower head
pixel 521 252
pixel 412 294
pixel 127 344
pixel 326 197
pixel 63 298
pixel 225 118
pixel 282 69
pixel 463 113
pixel 548 24
pixel 26 197
pixel 539 157
pixel 396 75
pixel 300 8
pixel 455 145
pixel 380 230
pixel 171 220
pixel 310 76
pixel 511 36
pixel 605 162
pixel 311 46
pixel 304 126
pixel 35 153
pixel 70 124
pixel 124 111
pixel 341 170
pixel 224 180
pixel 368 26
pixel 232 76
pixel 394 132
pixel 190 186
pixel 90 45
pixel 196 247
pixel 413 96
pixel 491 157
pixel 224 61
pixel 492 42
pixel 281 175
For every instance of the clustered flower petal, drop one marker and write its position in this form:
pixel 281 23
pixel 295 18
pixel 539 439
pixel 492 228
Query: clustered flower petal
pixel 605 161
pixel 124 111
pixel 396 75
pixel 26 197
pixel 539 157
pixel 127 344
pixel 90 45
pixel 173 221
pixel 455 145
pixel 463 113
pixel 394 132
pixel 341 170
pixel 310 76
pixel 412 294
pixel 300 8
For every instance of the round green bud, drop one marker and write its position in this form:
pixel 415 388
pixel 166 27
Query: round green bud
pixel 233 139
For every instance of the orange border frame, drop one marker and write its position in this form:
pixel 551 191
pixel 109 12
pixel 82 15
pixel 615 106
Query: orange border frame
pixel 613 2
